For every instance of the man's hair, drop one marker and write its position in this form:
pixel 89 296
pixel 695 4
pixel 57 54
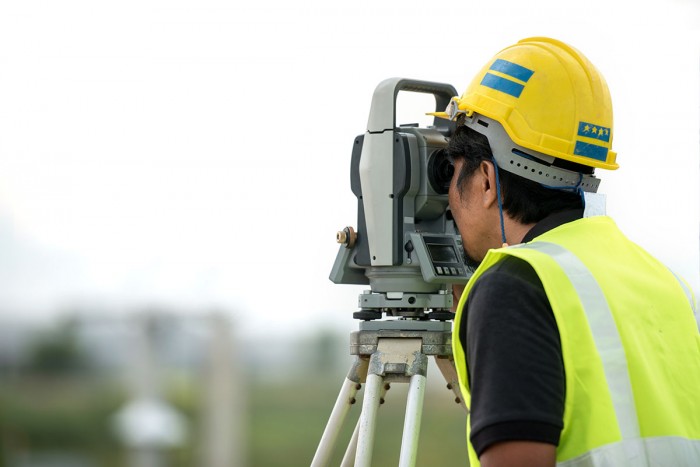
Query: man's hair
pixel 524 200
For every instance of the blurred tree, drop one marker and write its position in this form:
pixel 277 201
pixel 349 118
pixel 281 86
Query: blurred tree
pixel 56 351
pixel 324 354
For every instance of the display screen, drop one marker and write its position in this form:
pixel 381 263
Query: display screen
pixel 442 253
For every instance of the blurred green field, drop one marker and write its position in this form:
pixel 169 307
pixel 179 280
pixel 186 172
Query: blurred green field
pixel 285 421
pixel 58 409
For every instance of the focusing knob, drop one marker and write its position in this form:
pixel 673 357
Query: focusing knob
pixel 346 237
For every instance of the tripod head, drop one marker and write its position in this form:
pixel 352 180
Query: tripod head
pixel 406 246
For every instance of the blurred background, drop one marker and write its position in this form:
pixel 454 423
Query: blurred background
pixel 172 175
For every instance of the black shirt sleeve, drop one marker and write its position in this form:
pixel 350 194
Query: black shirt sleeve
pixel 514 358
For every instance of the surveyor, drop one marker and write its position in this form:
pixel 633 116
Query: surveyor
pixel 573 345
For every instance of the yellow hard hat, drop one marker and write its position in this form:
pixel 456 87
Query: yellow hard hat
pixel 548 97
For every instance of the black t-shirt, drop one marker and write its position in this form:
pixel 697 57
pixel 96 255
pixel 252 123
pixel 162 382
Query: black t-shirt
pixel 514 359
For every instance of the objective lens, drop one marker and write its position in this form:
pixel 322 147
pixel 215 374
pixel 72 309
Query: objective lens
pixel 440 171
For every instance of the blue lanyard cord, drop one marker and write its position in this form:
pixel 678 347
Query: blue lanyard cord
pixel 500 202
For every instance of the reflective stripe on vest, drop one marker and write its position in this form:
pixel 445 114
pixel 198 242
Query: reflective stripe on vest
pixel 691 297
pixel 632 450
pixel 671 451
pixel 604 332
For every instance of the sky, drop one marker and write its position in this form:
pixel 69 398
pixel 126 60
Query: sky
pixel 196 154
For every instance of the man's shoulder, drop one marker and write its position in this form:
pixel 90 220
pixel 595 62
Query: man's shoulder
pixel 508 292
pixel 509 270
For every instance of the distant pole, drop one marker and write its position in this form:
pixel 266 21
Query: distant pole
pixel 223 417
pixel 146 424
pixel 145 385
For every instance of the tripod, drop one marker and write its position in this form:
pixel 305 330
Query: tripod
pixel 388 351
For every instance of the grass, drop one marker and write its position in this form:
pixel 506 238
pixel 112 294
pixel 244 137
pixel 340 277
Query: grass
pixel 285 420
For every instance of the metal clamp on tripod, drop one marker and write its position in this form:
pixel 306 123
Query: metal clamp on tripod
pixel 387 352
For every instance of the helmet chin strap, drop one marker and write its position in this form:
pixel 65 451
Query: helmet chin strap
pixel 500 203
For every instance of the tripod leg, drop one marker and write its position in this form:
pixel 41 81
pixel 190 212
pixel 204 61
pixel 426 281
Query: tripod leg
pixel 447 368
pixel 368 419
pixel 411 427
pixel 349 457
pixel 346 398
pixel 351 452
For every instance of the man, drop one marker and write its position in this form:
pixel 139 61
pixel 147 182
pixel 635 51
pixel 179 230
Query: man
pixel 573 345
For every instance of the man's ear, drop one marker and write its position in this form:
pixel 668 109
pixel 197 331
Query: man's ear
pixel 487 174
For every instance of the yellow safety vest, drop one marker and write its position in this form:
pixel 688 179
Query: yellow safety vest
pixel 630 345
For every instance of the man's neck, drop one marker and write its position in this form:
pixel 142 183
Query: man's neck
pixel 515 231
pixel 550 222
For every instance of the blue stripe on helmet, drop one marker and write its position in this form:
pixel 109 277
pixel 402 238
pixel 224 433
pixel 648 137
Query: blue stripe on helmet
pixel 512 69
pixel 592 151
pixel 501 84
